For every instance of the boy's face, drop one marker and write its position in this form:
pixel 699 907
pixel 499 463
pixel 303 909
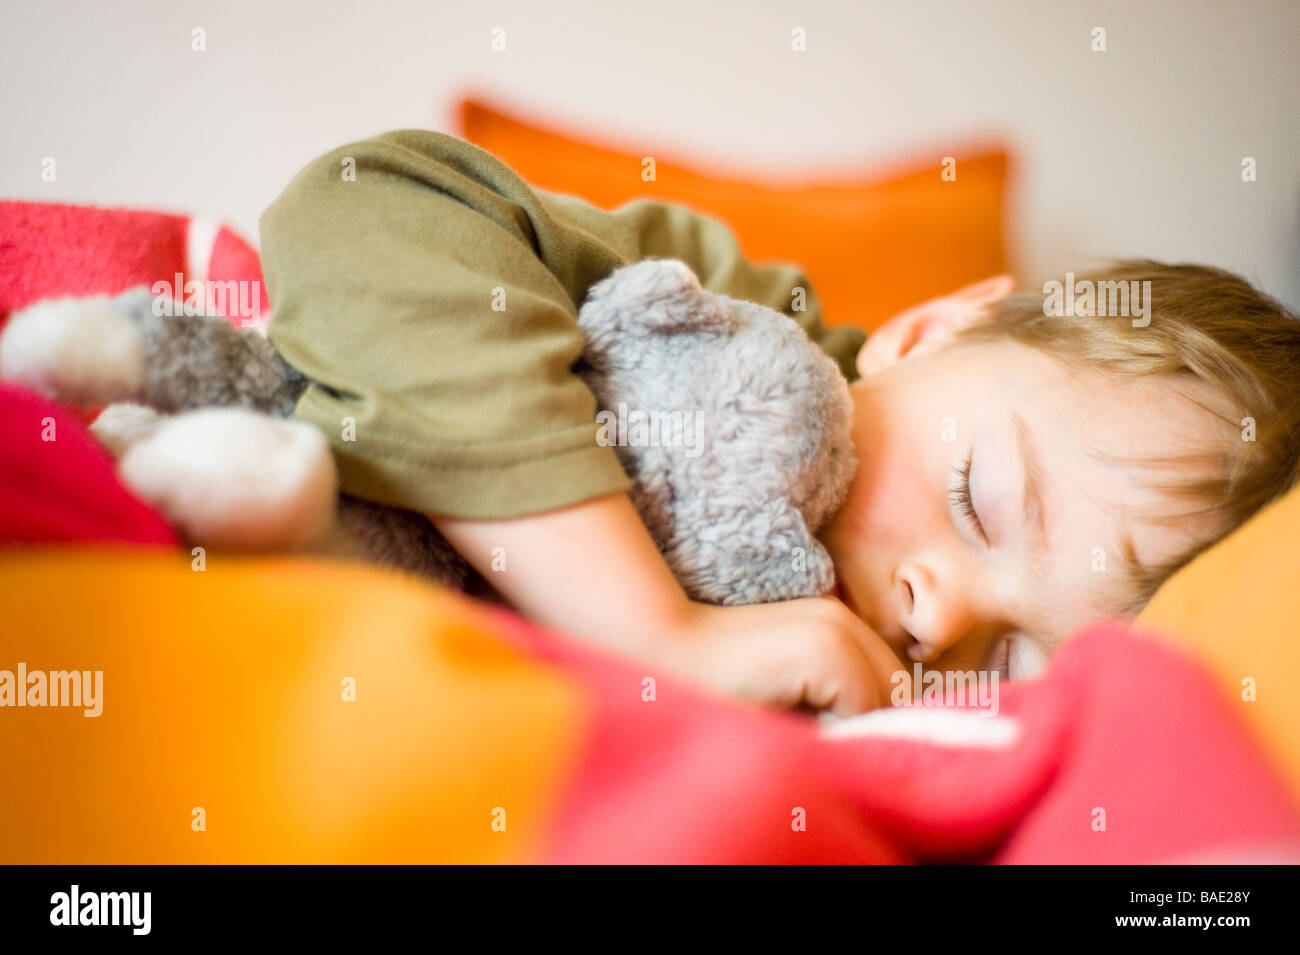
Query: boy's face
pixel 1038 552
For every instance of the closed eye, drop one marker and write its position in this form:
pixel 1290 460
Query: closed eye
pixel 960 500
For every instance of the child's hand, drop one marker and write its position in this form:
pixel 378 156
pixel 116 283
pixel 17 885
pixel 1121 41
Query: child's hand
pixel 593 571
pixel 810 652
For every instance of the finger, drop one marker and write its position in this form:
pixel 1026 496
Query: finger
pixel 890 673
pixel 846 687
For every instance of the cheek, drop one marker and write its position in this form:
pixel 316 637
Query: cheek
pixel 894 500
pixel 893 513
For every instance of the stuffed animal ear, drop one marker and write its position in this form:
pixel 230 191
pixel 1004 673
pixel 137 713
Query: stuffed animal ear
pixel 654 295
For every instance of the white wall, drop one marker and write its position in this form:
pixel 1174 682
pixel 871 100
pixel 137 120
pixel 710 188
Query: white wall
pixel 1133 151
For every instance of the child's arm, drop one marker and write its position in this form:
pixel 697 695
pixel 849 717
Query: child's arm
pixel 593 571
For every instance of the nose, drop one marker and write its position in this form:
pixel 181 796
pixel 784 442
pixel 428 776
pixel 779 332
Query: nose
pixel 936 616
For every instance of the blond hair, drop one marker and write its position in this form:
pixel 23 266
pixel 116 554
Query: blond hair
pixel 1203 325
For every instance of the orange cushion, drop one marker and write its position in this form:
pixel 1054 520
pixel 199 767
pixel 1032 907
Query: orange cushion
pixel 230 691
pixel 1237 607
pixel 871 245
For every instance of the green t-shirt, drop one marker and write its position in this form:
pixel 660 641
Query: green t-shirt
pixel 430 296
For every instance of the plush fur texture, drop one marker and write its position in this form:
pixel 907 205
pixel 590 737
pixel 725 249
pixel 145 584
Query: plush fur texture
pixel 84 351
pixel 732 425
pixel 231 478
pixel 735 521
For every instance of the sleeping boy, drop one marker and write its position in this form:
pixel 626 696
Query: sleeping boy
pixel 1020 474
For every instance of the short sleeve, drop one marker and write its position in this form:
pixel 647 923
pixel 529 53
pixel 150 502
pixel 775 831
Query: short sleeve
pixel 430 297
pixel 409 289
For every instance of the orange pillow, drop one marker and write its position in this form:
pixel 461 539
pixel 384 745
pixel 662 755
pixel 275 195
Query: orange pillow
pixel 871 246
pixel 1237 608
pixel 315 712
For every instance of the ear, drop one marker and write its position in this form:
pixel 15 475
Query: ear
pixel 930 323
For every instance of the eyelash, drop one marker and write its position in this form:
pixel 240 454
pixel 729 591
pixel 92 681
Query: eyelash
pixel 1004 668
pixel 960 499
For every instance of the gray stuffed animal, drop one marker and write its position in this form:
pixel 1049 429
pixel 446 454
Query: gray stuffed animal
pixel 732 425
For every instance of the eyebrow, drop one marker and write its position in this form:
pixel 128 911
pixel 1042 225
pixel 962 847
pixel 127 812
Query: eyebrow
pixel 1032 519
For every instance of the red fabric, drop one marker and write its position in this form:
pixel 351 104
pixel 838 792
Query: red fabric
pixel 235 260
pixel 1118 722
pixel 1149 737
pixel 51 250
pixel 64 489
pixel 689 777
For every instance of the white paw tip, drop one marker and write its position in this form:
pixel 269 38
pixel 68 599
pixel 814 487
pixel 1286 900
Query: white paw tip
pixel 81 350
pixel 234 479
